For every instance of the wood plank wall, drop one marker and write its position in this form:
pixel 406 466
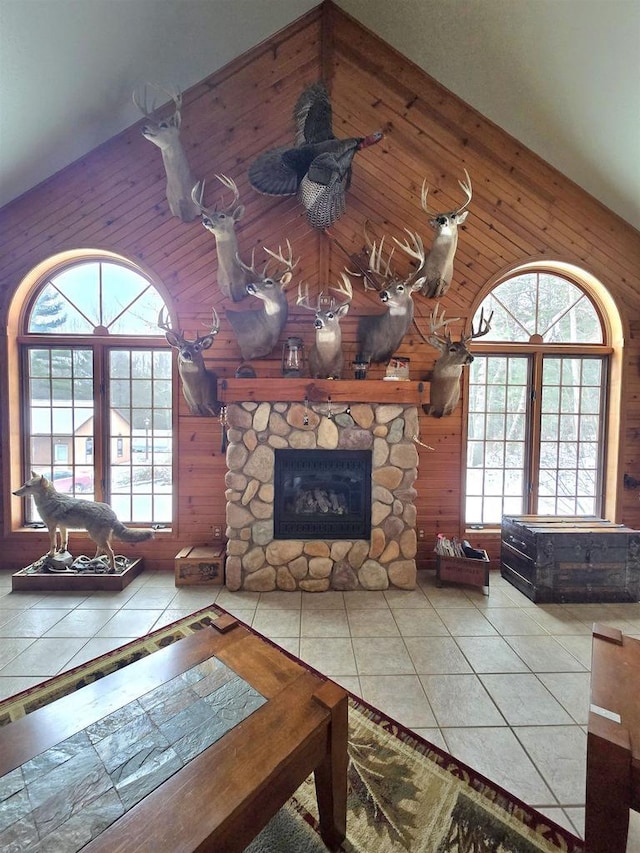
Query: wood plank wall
pixel 522 209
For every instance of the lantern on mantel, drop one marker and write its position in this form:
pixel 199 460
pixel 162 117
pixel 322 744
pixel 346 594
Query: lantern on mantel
pixel 292 357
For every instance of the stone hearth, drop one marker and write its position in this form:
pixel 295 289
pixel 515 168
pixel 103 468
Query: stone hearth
pixel 256 561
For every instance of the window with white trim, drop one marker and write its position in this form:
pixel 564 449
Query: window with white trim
pixel 97 387
pixel 537 403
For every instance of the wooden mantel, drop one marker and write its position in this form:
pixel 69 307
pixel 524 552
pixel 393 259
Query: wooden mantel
pixel 321 391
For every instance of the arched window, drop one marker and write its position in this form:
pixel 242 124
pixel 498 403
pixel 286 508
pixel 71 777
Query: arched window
pixel 97 388
pixel 537 402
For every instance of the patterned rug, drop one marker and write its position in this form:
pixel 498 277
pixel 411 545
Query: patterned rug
pixel 405 794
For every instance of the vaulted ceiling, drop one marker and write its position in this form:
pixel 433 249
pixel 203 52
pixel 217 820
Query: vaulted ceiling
pixel 561 76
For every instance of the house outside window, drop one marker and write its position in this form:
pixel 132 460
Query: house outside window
pixel 537 403
pixel 97 384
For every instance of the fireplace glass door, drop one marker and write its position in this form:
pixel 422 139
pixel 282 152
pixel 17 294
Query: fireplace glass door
pixel 322 494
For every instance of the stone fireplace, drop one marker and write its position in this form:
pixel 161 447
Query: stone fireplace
pixel 311 558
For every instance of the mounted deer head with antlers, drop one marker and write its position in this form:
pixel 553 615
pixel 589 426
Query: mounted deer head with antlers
pixel 221 221
pixel 325 357
pixel 438 265
pixel 454 355
pixel 380 335
pixel 199 385
pixel 257 330
pixel 165 133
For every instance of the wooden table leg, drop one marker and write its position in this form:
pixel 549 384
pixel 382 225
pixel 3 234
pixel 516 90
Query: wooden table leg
pixel 331 773
pixel 608 792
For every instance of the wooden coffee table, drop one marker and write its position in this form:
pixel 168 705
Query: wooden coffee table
pixel 279 723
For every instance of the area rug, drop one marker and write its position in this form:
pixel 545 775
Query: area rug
pixel 405 794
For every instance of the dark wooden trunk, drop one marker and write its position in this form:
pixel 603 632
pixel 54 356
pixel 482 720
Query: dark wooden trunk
pixel 570 559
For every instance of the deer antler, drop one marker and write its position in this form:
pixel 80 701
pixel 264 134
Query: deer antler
pixel 175 96
pixel 197 195
pixel 215 322
pixel 303 298
pixel 437 321
pixel 278 256
pixel 484 327
pixel 466 188
pixel 344 289
pixel 164 322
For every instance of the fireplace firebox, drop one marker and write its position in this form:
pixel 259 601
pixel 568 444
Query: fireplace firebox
pixel 322 494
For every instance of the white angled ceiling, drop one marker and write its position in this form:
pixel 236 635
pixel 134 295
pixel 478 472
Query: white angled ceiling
pixel 561 76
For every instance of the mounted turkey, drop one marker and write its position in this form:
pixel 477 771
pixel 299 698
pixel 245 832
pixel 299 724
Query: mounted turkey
pixel 317 167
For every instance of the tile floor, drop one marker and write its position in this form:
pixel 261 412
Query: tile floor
pixel 499 682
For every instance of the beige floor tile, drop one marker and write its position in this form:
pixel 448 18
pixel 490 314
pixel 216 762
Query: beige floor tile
pixel 289 644
pixel 103 599
pixel 524 701
pixel 578 646
pixel 330 600
pixel 460 700
pixel 170 615
pixel 490 654
pixel 153 598
pixel 432 736
pixel 559 816
pixel 420 623
pixel 572 690
pixel 240 599
pixel 277 623
pixel 350 683
pixel 94 648
pixel 559 753
pixel 61 600
pixel 10 648
pixel 279 600
pixel 544 654
pixel 436 655
pixel 80 623
pixel 333 657
pixel 12 684
pixel 374 623
pixel 557 621
pixel 364 600
pixel 21 600
pixel 44 657
pixel 194 597
pixel 496 753
pixel 382 656
pixel 466 622
pixel 324 623
pixel 401 697
pixel 401 599
pixel 496 598
pixel 514 621
pixel 130 623
pixel 447 597
pixel 31 623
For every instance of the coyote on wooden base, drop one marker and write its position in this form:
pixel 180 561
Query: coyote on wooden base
pixel 63 513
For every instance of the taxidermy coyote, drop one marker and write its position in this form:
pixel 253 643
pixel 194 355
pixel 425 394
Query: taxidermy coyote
pixel 62 512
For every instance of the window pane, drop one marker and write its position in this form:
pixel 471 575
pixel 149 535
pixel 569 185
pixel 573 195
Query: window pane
pixel 496 439
pixel 140 444
pixel 60 423
pixel 542 303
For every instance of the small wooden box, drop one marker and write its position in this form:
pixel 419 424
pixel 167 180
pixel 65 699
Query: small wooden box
pixel 463 570
pixel 200 564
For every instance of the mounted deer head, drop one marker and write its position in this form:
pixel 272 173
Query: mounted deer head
pixel 257 330
pixel 232 276
pixel 438 265
pixel 199 385
pixel 325 357
pixel 380 335
pixel 454 355
pixel 165 133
